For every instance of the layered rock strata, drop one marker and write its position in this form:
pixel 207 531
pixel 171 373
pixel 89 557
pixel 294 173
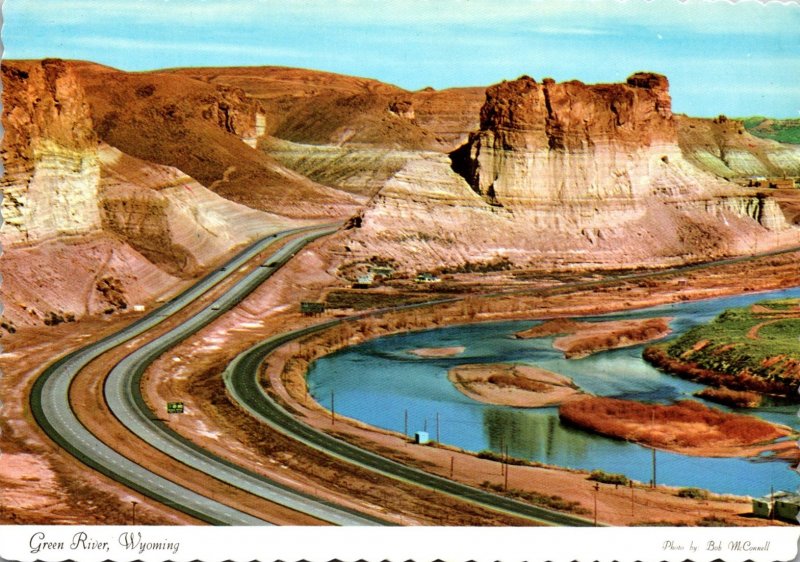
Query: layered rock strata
pixel 89 229
pixel 564 175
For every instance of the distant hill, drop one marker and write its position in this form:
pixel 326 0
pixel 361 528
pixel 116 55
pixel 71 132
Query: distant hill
pixel 781 130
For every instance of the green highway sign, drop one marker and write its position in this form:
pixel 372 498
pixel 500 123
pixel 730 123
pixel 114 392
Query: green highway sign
pixel 174 407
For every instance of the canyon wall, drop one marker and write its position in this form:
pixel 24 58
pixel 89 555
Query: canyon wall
pixel 89 229
pixel 51 169
pixel 566 176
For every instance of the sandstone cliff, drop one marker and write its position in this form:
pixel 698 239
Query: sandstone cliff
pixel 51 170
pixel 566 175
pixel 89 229
pixel 723 147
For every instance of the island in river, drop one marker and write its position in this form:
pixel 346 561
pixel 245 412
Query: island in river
pixel 511 384
pixel 686 427
pixel 752 348
pixel 581 339
pixel 438 351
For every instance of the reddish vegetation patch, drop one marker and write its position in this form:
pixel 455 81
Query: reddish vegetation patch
pixel 585 338
pixel 735 398
pixel 685 426
pixel 740 381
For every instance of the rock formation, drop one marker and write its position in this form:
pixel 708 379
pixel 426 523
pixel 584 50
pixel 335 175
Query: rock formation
pixel 89 229
pixel 564 175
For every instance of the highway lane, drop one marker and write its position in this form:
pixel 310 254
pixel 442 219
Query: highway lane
pixel 241 380
pixel 50 405
pixel 123 395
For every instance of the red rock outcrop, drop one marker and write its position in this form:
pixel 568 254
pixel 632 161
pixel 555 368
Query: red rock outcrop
pixel 565 176
pixel 570 141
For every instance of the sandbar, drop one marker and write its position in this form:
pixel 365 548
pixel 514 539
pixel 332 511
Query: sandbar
pixel 438 351
pixel 581 339
pixel 509 384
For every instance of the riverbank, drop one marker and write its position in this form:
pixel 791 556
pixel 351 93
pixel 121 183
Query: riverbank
pixel 686 427
pixel 508 384
pixel 581 339
pixel 663 506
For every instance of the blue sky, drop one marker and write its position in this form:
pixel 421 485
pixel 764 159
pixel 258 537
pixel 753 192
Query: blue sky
pixel 740 59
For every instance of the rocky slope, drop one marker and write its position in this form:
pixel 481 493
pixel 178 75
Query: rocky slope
pixel 89 229
pixel 725 148
pixel 319 108
pixel 207 131
pixel 567 175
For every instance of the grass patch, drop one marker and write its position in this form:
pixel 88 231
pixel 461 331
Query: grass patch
pixel 551 502
pixel 781 130
pixel 685 424
pixel 733 398
pixel 739 349
pixel 365 299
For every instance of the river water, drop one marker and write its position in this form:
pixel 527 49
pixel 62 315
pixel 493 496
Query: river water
pixel 379 381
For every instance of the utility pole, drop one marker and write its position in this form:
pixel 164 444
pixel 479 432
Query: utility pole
pixel 653 449
pixel 333 409
pixel 133 512
pixel 596 489
pixel 631 498
pixel 771 503
pixel 502 464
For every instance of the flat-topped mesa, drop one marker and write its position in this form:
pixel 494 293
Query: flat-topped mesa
pixel 570 141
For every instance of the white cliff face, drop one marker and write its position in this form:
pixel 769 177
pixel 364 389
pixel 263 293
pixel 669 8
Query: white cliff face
pixel 427 218
pixel 51 172
pixel 58 199
pixel 170 218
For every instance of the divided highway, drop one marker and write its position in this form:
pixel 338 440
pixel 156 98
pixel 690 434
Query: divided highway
pixel 51 408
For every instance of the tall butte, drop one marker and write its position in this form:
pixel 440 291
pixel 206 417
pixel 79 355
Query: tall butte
pixel 565 175
pixel 568 142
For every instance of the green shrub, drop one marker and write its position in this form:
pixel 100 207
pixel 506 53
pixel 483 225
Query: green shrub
pixel 609 478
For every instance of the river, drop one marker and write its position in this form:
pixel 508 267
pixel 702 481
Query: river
pixel 379 382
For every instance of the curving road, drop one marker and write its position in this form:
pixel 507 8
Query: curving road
pixel 241 380
pixel 124 398
pixel 50 405
pixel 51 408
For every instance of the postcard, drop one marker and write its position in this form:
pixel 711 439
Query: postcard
pixel 403 280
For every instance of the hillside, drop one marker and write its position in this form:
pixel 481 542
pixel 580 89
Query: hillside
pixel 575 176
pixel 173 169
pixel 781 130
pixel 314 107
